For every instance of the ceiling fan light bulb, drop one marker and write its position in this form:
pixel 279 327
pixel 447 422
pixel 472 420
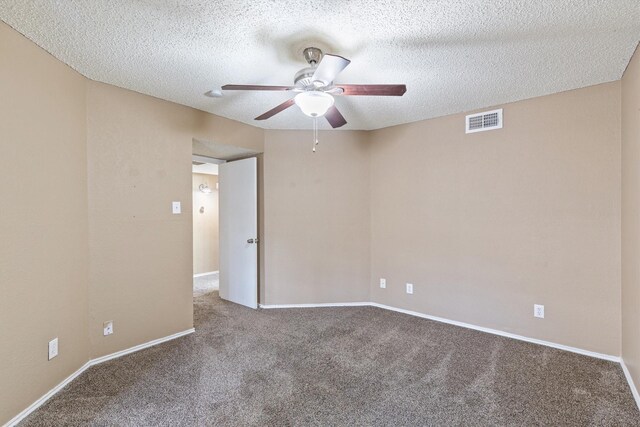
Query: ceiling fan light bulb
pixel 314 104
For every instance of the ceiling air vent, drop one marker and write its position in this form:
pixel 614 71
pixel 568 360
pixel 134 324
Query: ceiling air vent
pixel 484 121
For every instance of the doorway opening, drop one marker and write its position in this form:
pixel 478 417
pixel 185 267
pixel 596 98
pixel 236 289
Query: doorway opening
pixel 225 223
pixel 206 231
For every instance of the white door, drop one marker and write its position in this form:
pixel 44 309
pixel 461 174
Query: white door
pixel 238 192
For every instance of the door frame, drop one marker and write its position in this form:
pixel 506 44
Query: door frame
pixel 260 213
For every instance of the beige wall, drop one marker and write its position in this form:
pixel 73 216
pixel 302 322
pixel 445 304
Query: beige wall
pixel 486 225
pixel 43 222
pixel 211 128
pixel 139 155
pixel 316 231
pixel 631 217
pixel 89 168
pixel 205 224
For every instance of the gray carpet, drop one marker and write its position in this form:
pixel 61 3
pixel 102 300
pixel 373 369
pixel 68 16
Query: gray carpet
pixel 349 366
pixel 205 284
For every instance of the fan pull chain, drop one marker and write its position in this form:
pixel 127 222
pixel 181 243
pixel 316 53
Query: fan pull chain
pixel 315 133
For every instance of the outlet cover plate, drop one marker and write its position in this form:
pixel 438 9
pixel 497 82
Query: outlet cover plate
pixel 53 348
pixel 410 288
pixel 383 283
pixel 107 327
pixel 538 311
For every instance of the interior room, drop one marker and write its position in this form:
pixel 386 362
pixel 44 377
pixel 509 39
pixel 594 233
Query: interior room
pixel 206 242
pixel 332 213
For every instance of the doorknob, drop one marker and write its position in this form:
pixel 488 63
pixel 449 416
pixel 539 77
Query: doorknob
pixel 252 240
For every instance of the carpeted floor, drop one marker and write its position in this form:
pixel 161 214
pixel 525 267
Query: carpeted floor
pixel 205 284
pixel 349 366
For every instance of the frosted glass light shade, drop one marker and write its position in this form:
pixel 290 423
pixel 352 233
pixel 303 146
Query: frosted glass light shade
pixel 313 103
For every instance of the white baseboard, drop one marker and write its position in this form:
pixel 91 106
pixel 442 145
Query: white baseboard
pixel 140 347
pixel 102 359
pixel 327 304
pixel 205 274
pixel 452 322
pixel 35 405
pixel 609 357
pixel 501 333
pixel 632 385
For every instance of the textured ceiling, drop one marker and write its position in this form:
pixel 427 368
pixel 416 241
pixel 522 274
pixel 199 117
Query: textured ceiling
pixel 453 55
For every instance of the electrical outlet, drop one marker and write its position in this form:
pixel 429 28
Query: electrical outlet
pixel 53 348
pixel 176 208
pixel 107 327
pixel 383 283
pixel 409 288
pixel 538 311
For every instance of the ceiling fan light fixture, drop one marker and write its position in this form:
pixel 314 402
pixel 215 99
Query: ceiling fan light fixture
pixel 314 103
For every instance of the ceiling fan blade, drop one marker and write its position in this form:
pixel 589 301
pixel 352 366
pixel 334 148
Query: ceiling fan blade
pixel 276 110
pixel 373 90
pixel 256 87
pixel 329 67
pixel 334 117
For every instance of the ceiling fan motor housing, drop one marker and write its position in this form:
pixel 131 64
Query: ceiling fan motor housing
pixel 312 55
pixel 303 77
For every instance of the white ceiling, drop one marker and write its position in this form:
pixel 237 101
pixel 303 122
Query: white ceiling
pixel 453 55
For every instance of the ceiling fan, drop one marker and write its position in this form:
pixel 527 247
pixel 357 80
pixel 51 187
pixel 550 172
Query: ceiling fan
pixel 315 88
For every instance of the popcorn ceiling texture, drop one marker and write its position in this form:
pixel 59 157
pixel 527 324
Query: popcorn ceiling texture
pixel 453 55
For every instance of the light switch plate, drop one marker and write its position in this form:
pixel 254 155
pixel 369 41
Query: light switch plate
pixel 53 348
pixel 176 208
pixel 410 288
pixel 383 283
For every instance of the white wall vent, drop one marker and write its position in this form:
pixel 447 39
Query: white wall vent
pixel 487 120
